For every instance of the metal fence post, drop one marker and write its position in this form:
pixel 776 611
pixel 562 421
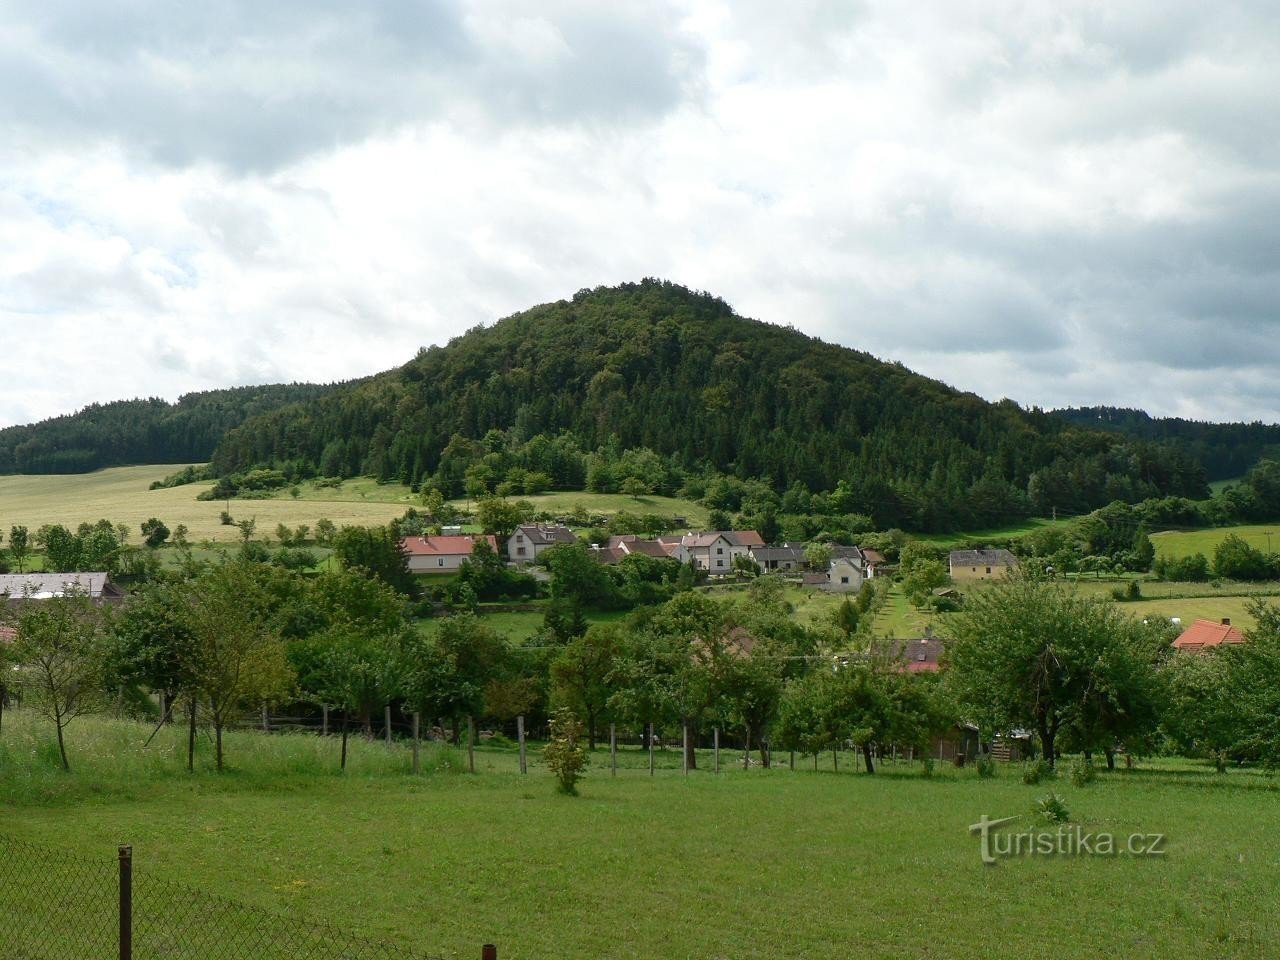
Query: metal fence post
pixel 126 902
pixel 488 952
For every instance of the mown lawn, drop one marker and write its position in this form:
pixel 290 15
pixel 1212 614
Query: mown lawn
pixel 758 864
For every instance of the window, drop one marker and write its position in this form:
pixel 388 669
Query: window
pixel 519 538
pixel 719 550
pixel 844 579
pixel 519 551
pixel 988 569
pixel 440 562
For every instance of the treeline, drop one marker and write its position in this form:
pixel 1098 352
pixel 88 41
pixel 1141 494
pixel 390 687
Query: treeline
pixel 1225 450
pixel 132 432
pixel 650 386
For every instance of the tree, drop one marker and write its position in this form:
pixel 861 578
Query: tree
pixel 923 577
pixel 61 652
pixel 500 516
pixel 378 552
pixel 451 670
pixel 580 675
pixel 61 549
pixel 1235 559
pixel 752 692
pixel 635 488
pixel 1034 655
pixel 563 754
pixel 154 532
pixel 236 659
pixel 325 531
pixel 818 555
pixel 19 546
pixel 576 576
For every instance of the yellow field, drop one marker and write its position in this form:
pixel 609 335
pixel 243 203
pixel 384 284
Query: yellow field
pixel 121 496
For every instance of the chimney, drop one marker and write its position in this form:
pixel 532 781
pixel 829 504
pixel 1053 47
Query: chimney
pixel 1226 621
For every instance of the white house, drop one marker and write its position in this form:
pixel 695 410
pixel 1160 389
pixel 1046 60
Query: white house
pixel 531 539
pixel 845 575
pixel 441 554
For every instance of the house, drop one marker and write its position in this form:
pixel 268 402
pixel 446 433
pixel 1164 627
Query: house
pixel 742 542
pixel 873 559
pixel 919 656
pixel 441 554
pixel 981 564
pixel 712 552
pixel 630 544
pixel 1205 635
pixel 844 575
pixel 43 586
pixel 787 558
pixel 675 548
pixel 532 539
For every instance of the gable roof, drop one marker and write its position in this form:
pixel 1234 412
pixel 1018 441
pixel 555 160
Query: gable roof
pixel 542 535
pixel 872 556
pixel 982 558
pixel 445 546
pixel 784 552
pixel 1206 633
pixel 744 538
pixel 42 586
pixel 607 555
pixel 702 540
pixel 919 656
pixel 841 551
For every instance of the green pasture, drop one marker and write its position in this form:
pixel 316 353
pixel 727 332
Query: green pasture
pixel 1179 543
pixel 742 864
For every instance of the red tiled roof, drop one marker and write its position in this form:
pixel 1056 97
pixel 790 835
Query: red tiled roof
pixel 744 538
pixel 1206 633
pixel 873 556
pixel 444 546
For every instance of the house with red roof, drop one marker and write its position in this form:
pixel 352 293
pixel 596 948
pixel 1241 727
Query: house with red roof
pixel 441 554
pixel 1205 635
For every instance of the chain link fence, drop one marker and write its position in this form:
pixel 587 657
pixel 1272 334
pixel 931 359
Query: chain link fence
pixel 56 906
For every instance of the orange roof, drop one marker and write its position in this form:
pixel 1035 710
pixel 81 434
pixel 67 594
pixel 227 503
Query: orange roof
pixel 1206 633
pixel 444 546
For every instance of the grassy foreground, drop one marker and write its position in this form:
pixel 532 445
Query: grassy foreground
pixel 758 864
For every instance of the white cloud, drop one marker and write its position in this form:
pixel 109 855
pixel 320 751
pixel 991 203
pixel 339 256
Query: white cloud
pixel 1060 203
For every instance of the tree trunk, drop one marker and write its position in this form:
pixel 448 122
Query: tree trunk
pixel 217 736
pixel 1111 758
pixel 690 750
pixel 457 730
pixel 866 758
pixel 591 730
pixel 345 727
pixel 62 746
pixel 746 754
pixel 764 753
pixel 191 737
pixel 835 760
pixel 1047 736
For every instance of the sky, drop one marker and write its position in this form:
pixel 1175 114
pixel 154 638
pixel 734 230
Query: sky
pixel 1063 203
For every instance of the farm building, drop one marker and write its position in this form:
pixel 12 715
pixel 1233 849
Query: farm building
pixel 43 586
pixel 786 558
pixel 980 564
pixel 441 554
pixel 1205 635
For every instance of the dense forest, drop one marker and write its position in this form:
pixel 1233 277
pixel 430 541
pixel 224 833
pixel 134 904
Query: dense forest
pixel 654 373
pixel 141 431
pixel 1225 450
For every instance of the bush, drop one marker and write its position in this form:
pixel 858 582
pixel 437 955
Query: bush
pixel 564 754
pixel 986 767
pixel 1131 591
pixel 1051 808
pixel 926 767
pixel 1082 772
pixel 1036 771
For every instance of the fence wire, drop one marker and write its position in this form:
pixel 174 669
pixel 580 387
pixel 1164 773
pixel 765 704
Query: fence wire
pixel 55 906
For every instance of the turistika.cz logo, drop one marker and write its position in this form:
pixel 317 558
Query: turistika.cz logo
pixel 1068 840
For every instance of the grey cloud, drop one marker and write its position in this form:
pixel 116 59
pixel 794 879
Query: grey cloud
pixel 256 86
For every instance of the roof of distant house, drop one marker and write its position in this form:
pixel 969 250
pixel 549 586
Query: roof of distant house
pixel 630 543
pixel 1207 633
pixel 608 555
pixel 744 538
pixel 541 534
pixel 919 656
pixel 814 579
pixel 784 552
pixel 872 556
pixel 445 546
pixel 42 586
pixel 843 551
pixel 982 558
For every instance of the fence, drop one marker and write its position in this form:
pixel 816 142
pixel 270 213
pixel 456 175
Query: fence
pixel 54 906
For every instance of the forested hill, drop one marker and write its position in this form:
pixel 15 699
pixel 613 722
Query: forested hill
pixel 566 389
pixel 141 431
pixel 1226 450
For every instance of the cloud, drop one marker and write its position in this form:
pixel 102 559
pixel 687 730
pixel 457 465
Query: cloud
pixel 1062 203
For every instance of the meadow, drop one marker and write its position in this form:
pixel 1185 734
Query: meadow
pixel 1184 543
pixel 775 863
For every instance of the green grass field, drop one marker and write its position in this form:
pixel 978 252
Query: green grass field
pixel 120 495
pixel 949 540
pixel 758 864
pixel 1177 543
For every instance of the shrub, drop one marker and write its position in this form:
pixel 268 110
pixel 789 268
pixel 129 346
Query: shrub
pixel 564 754
pixel 986 767
pixel 926 767
pixel 226 519
pixel 1082 772
pixel 1036 771
pixel 1051 808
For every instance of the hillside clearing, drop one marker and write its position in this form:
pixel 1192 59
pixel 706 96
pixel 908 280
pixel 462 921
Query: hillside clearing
pixel 1179 543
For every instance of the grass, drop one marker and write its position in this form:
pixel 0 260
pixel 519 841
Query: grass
pixel 950 540
pixel 758 864
pixel 1177 543
pixel 120 495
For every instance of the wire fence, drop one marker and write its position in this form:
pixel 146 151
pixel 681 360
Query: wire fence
pixel 56 906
